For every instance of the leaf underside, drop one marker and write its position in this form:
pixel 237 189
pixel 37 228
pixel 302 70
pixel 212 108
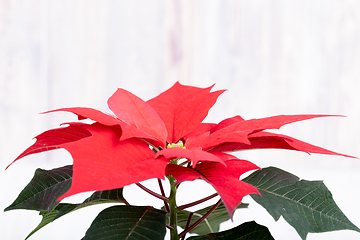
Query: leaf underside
pixel 128 222
pixel 308 206
pixel 246 231
pixel 43 189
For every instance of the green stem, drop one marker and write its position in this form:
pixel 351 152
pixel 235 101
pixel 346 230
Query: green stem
pixel 173 210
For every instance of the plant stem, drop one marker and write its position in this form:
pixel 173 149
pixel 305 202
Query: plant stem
pixel 163 193
pixel 169 227
pixel 182 234
pixel 182 207
pixel 173 210
pixel 126 202
pixel 152 192
pixel 188 223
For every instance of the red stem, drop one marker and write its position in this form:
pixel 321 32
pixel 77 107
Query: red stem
pixel 169 227
pixel 126 202
pixel 152 192
pixel 182 234
pixel 163 194
pixel 182 207
pixel 188 223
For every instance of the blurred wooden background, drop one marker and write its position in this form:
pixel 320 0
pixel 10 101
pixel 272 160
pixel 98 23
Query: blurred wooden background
pixel 274 57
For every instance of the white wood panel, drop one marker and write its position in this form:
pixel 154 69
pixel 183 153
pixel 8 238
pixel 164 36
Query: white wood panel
pixel 275 57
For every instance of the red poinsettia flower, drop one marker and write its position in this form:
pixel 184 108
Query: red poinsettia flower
pixel 142 137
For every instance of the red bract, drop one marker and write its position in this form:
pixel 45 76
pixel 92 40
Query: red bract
pixel 183 108
pixel 139 119
pixel 52 139
pixel 195 155
pixel 142 137
pixel 126 162
pixel 225 179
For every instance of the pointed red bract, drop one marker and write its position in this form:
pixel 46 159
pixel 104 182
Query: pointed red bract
pixel 267 140
pixel 90 113
pixel 138 114
pixel 196 141
pixel 129 131
pixel 194 155
pixel 102 162
pixel 224 156
pixel 238 131
pixel 183 108
pixel 201 128
pixel 52 139
pixel 227 122
pixel 224 179
pixel 263 140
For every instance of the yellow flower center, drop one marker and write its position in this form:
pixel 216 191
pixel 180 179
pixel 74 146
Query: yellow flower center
pixel 178 144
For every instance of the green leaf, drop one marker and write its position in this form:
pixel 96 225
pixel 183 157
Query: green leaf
pixel 128 222
pixel 109 196
pixel 308 206
pixel 246 231
pixel 47 218
pixel 44 189
pixel 47 186
pixel 211 224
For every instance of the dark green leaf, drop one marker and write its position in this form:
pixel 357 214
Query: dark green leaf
pixel 128 222
pixel 246 231
pixel 211 223
pixel 108 196
pixel 44 189
pixel 308 206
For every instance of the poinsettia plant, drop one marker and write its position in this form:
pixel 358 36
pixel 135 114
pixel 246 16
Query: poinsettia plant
pixel 166 139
